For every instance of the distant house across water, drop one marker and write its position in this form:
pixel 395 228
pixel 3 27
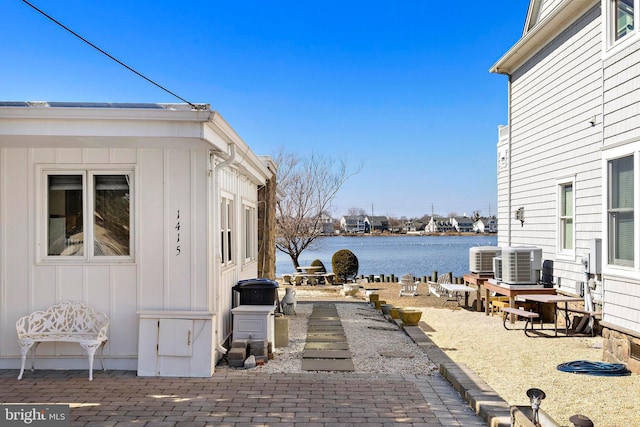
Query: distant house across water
pixel 361 224
pixel 439 225
pixel 376 223
pixel 462 224
pixel 485 225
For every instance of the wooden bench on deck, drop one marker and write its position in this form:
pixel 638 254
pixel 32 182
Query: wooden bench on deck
pixel 529 315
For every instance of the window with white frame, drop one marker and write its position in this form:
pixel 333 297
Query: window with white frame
pixel 250 232
pixel 620 211
pixel 226 230
pixel 88 214
pixel 566 217
pixel 622 18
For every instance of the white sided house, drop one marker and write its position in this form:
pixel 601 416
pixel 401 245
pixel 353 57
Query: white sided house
pixel 569 158
pixel 146 212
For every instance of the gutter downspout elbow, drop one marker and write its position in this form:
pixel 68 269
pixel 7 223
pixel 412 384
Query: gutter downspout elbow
pixel 221 349
pixel 230 159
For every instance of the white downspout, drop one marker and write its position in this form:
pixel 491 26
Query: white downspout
pixel 216 168
pixel 509 157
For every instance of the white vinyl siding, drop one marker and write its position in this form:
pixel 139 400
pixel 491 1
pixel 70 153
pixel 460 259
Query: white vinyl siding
pixel 547 7
pixel 621 138
pixel 621 95
pixel 554 96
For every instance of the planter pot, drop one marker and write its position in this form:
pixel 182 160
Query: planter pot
pixel 289 302
pixel 379 304
pixel 394 312
pixel 374 297
pixel 410 317
pixel 385 308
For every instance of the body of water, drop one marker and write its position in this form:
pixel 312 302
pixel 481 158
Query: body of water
pixel 417 255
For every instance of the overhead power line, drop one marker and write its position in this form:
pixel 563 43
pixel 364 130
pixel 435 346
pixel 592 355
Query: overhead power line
pixel 108 55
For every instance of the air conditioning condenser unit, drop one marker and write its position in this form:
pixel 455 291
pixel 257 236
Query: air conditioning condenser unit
pixel 481 258
pixel 521 265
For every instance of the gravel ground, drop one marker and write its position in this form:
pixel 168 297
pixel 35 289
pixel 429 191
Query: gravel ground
pixel 511 362
pixel 377 346
pixel 508 361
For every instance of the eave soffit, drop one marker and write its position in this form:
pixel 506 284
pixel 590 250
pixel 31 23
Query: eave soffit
pixel 537 35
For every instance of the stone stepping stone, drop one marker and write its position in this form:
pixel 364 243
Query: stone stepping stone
pixel 398 354
pixel 382 328
pixel 330 323
pixel 334 331
pixel 326 345
pixel 327 338
pixel 325 329
pixel 327 365
pixel 326 354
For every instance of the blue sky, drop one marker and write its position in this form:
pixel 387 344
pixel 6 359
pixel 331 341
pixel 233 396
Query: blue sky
pixel 401 88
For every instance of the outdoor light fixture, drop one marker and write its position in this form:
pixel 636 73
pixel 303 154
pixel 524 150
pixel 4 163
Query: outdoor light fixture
pixel 520 215
pixel 579 420
pixel 535 396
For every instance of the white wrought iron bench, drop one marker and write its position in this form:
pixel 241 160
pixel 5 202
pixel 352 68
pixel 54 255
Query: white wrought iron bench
pixel 64 322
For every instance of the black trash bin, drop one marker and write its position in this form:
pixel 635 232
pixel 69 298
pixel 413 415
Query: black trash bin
pixel 256 292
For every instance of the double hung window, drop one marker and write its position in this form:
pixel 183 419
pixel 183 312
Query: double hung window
pixel 620 211
pixel 250 232
pixel 622 16
pixel 566 218
pixel 226 230
pixel 88 214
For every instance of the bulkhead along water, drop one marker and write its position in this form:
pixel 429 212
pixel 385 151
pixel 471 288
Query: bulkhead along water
pixel 417 255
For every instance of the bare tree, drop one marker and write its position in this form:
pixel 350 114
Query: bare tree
pixel 356 212
pixel 308 186
pixel 476 215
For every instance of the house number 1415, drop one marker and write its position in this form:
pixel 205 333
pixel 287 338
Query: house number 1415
pixel 177 227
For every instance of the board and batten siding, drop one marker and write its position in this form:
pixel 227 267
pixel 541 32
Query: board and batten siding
pixel 244 190
pixel 554 95
pixel 621 127
pixel 165 182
